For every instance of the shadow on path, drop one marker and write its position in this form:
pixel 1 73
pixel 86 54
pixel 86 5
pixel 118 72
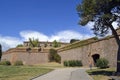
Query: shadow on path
pixel 102 72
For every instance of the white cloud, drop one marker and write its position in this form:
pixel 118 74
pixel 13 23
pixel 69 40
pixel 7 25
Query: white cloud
pixel 63 36
pixel 115 25
pixel 9 42
pixel 90 25
pixel 33 34
pixel 67 35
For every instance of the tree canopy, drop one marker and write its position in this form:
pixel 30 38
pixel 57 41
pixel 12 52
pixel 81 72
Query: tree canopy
pixel 19 45
pixel 56 44
pixel 74 40
pixel 101 12
pixel 34 42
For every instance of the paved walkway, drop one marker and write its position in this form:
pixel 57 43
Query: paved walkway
pixel 66 74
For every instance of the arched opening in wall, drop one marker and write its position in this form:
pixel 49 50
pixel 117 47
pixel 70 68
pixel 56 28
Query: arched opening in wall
pixel 95 58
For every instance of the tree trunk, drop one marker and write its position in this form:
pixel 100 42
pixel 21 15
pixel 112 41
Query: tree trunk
pixel 118 60
pixel 118 43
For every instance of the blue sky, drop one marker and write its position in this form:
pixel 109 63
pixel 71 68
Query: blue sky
pixel 43 19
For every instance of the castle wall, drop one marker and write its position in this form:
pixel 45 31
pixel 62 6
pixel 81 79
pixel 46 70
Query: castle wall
pixel 27 58
pixel 106 48
pixel 83 50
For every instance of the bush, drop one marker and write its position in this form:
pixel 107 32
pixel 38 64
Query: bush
pixel 57 58
pixel 73 63
pixel 66 63
pixel 102 63
pixel 7 63
pixel 53 56
pixel 18 63
pixel 79 63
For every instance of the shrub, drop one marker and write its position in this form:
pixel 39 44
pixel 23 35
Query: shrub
pixel 73 63
pixel 66 63
pixel 53 56
pixel 57 58
pixel 102 63
pixel 7 63
pixel 18 63
pixel 79 63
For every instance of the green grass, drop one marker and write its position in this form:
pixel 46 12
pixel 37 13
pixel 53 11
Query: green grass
pixel 101 74
pixel 21 72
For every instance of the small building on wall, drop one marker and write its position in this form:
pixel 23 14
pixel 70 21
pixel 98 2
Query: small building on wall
pixel 45 44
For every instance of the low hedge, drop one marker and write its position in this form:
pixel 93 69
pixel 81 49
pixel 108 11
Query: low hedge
pixel 73 63
pixel 18 63
pixel 7 63
pixel 102 63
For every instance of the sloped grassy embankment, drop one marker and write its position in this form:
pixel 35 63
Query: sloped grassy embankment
pixel 25 72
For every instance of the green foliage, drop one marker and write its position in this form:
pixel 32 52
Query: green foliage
pixel 7 63
pixel 45 45
pixel 53 56
pixel 19 45
pixel 73 40
pixel 18 63
pixel 57 58
pixel 102 13
pixel 102 63
pixel 34 42
pixel 84 11
pixel 72 63
pixel 52 52
pixel 66 63
pixel 0 52
pixel 79 63
pixel 21 72
pixel 55 44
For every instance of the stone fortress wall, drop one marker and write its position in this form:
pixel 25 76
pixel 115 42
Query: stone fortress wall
pixel 88 51
pixel 30 56
pixel 91 51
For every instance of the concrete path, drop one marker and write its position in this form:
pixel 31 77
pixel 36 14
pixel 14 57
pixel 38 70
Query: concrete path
pixel 66 74
pixel 80 74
